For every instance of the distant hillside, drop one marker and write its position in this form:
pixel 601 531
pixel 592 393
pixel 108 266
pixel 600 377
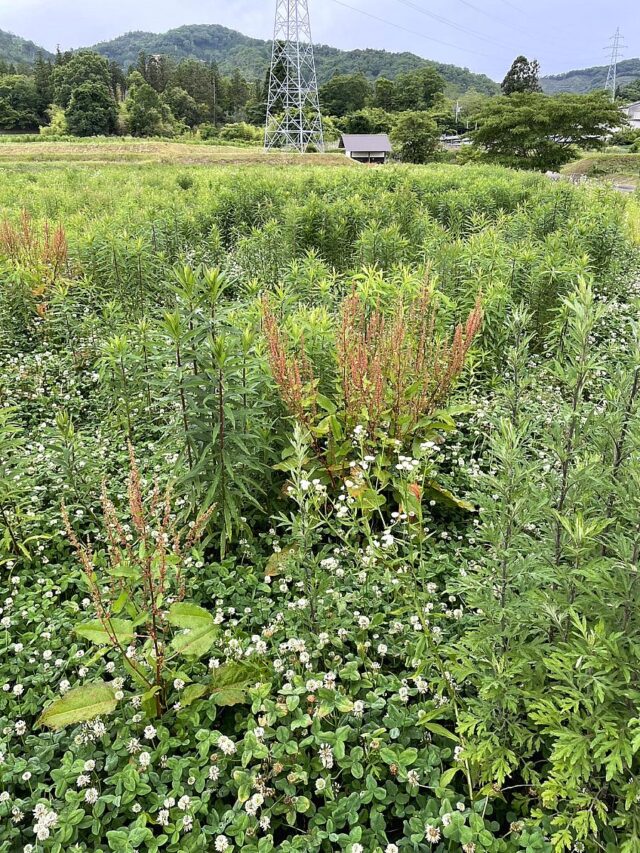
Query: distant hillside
pixel 588 79
pixel 17 50
pixel 231 50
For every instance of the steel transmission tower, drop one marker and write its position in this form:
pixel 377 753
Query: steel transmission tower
pixel 616 54
pixel 293 108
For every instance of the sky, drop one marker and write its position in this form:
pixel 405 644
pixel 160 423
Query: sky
pixel 483 35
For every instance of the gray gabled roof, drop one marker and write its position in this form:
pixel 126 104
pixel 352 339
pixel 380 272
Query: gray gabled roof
pixel 365 142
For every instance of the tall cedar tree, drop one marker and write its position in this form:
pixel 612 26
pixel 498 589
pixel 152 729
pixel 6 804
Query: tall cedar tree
pixel 523 76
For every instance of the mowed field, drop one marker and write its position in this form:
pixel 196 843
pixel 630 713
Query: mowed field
pixel 102 151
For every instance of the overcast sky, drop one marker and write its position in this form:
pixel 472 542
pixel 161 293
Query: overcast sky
pixel 487 34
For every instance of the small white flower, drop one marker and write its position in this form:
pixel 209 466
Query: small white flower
pixel 226 745
pixel 184 803
pixel 150 733
pixel 221 843
pixel 91 796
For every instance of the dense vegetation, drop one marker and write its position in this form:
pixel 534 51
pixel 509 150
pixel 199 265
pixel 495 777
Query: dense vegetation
pixel 591 79
pixel 318 511
pixel 19 51
pixel 234 52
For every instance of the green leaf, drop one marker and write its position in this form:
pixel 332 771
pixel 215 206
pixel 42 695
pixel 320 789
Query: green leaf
pixel 183 614
pixel 233 680
pixel 83 703
pixel 195 643
pixel 191 693
pixel 447 776
pixel 434 491
pixel 437 729
pixel 96 632
pixel 326 404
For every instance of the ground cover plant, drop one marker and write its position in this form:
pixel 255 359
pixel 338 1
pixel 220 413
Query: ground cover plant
pixel 318 510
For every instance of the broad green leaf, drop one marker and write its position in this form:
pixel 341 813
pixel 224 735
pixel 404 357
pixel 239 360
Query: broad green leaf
pixel 232 681
pixel 83 703
pixel 434 491
pixel 192 692
pixel 183 614
pixel 96 632
pixel 197 642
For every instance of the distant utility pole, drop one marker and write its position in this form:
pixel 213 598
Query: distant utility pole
pixel 293 107
pixel 616 47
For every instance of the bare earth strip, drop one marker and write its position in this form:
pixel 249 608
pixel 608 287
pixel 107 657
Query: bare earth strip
pixel 169 153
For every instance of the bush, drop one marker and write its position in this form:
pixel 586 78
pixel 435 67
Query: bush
pixel 242 132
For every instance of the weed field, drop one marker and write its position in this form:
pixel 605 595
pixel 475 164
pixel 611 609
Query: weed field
pixel 319 506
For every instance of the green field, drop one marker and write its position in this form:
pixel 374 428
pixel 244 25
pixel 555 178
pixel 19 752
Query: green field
pixel 319 505
pixel 622 169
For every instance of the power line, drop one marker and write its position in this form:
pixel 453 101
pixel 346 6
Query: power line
pixel 412 32
pixel 452 24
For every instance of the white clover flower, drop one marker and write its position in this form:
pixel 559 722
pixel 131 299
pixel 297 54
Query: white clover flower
pixel 163 817
pixel 357 848
pixel 20 727
pixel 432 834
pixel 150 732
pixel 214 773
pixel 221 843
pixel 358 708
pixel 391 848
pixel 178 684
pixel 326 756
pixel 83 780
pixel 145 760
pixel 184 803
pixel 91 796
pixel 187 823
pixel 227 746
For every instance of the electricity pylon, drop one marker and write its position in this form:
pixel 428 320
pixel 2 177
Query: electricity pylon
pixel 616 54
pixel 293 108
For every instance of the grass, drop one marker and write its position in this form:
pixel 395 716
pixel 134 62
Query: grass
pixel 156 152
pixel 620 169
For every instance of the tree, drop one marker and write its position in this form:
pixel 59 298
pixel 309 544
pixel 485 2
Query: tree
pixel 183 106
pixel 630 92
pixel 18 103
pixel 415 136
pixel 145 112
pixel 384 94
pixel 523 76
pixel 536 131
pixel 344 93
pixel 43 80
pixel 370 120
pixel 418 90
pixel 92 110
pixel 79 68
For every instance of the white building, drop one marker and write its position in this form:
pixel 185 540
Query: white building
pixel 633 114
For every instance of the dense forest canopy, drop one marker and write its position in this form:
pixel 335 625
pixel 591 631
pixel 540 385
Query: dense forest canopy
pixel 233 51
pixel 590 79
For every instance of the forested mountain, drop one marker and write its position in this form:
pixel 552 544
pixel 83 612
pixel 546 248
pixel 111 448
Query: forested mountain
pixel 232 50
pixel 589 79
pixel 19 51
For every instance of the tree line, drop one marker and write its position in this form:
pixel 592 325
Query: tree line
pixel 84 94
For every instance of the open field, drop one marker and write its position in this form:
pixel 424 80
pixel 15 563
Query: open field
pixel 113 150
pixel 319 501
